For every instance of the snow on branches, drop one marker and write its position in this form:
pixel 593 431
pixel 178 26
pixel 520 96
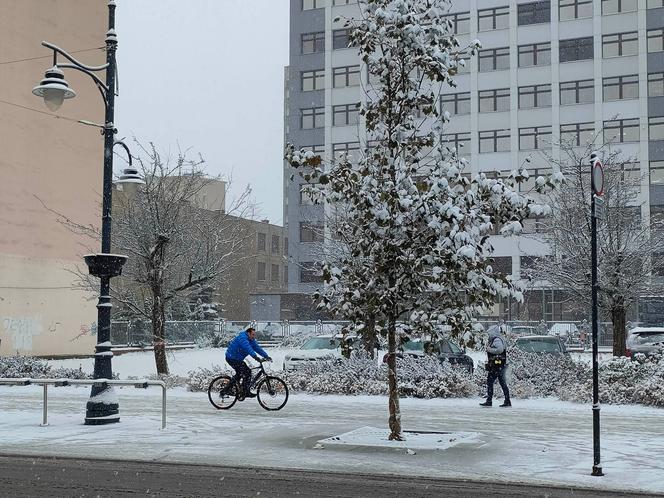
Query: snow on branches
pixel 416 226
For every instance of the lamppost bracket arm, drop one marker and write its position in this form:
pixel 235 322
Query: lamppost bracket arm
pixel 72 59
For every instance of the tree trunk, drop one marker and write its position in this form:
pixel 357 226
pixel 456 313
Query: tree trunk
pixel 369 336
pixel 158 330
pixel 619 334
pixel 393 387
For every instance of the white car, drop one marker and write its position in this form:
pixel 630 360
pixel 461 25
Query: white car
pixel 644 340
pixel 322 347
pixel 564 330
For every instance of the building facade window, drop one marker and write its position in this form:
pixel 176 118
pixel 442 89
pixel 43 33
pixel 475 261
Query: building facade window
pixel 340 38
pixel 537 137
pixel 310 232
pixel 312 80
pixel 576 49
pixel 456 103
pixel 577 92
pixel 260 271
pixel 313 117
pixel 274 274
pixel 313 4
pixel 655 4
pixel 617 6
pixel 496 18
pixel 351 149
pixel 657 173
pixel 345 76
pixel 276 244
pixel 621 87
pixel 534 12
pixel 655 84
pixel 494 141
pixel 537 54
pixel 494 100
pixel 619 44
pixel 459 141
pixel 460 22
pixel 577 134
pixel 494 59
pixel 621 130
pixel 313 43
pixel 655 40
pixel 310 272
pixel 345 114
pixel 574 9
pixel 261 244
pixel 534 96
pixel 286 274
pixel 656 128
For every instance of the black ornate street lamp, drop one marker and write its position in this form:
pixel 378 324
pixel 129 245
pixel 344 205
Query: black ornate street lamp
pixel 102 407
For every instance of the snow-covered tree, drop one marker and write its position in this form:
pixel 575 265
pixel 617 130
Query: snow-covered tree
pixel 626 242
pixel 417 229
pixel 177 249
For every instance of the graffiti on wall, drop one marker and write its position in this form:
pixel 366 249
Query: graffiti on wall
pixel 21 330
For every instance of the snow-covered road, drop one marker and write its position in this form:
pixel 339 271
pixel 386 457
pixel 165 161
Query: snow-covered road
pixel 536 441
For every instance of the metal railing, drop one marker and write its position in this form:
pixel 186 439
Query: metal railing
pixel 139 384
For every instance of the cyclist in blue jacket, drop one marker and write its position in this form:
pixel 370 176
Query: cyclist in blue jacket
pixel 243 345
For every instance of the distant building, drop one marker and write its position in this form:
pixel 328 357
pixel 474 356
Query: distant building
pixel 546 71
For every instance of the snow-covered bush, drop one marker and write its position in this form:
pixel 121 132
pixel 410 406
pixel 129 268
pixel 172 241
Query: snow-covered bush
pixel 542 375
pixel 421 378
pixel 25 366
pixel 623 381
pixel 198 380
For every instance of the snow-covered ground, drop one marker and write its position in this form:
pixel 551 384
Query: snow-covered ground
pixel 536 441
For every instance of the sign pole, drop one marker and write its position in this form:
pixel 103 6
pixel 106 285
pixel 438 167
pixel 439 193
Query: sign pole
pixel 597 181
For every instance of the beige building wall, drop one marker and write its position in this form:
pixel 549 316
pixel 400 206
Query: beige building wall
pixel 52 162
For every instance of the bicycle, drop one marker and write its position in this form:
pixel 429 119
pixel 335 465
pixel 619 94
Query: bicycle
pixel 271 392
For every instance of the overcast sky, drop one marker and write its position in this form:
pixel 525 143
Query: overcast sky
pixel 208 74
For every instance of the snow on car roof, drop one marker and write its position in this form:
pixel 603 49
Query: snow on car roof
pixel 647 330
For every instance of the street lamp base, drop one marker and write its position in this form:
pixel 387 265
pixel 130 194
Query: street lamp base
pixel 101 413
pixel 597 471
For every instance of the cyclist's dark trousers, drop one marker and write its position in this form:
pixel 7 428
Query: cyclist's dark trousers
pixel 242 372
pixel 497 374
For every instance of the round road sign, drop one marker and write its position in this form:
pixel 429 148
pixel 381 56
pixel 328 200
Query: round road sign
pixel 597 175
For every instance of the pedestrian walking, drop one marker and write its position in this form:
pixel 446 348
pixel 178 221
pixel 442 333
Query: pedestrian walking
pixel 496 365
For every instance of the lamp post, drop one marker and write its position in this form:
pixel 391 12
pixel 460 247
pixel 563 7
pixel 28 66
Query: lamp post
pixel 102 407
pixel 596 208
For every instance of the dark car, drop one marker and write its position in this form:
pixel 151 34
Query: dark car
pixel 549 344
pixel 444 349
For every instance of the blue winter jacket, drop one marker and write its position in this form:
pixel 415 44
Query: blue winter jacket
pixel 241 347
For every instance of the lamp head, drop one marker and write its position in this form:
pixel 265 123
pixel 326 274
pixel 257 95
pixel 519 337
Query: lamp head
pixel 130 180
pixel 54 89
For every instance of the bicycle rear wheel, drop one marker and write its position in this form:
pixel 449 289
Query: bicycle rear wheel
pixel 222 392
pixel 272 393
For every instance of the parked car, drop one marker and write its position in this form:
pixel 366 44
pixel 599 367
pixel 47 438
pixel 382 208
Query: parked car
pixel 444 349
pixel 541 344
pixel 521 330
pixel 322 347
pixel 644 340
pixel 565 330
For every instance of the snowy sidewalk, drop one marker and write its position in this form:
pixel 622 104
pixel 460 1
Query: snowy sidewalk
pixel 537 441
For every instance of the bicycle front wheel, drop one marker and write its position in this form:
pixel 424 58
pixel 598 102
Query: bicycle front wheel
pixel 272 393
pixel 222 392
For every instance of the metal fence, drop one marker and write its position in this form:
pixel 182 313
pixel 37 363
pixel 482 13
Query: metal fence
pixel 189 332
